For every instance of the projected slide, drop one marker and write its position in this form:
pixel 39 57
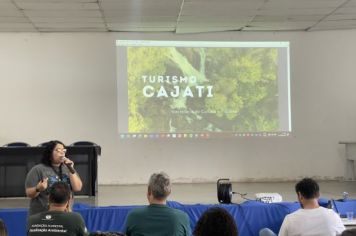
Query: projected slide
pixel 203 89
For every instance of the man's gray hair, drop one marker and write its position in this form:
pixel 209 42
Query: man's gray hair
pixel 159 185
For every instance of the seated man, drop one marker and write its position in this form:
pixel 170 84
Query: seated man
pixel 157 218
pixel 57 220
pixel 311 219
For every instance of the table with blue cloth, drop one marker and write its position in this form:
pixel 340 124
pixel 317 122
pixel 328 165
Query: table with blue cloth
pixel 250 216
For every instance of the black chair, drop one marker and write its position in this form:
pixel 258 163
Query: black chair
pixel 83 143
pixel 17 144
pixel 42 144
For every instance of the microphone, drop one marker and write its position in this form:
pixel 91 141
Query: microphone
pixel 69 166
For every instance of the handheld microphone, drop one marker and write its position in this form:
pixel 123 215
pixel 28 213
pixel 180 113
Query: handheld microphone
pixel 69 166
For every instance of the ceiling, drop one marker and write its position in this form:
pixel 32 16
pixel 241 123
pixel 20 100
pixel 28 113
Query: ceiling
pixel 178 16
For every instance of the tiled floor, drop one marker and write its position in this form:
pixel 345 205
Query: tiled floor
pixel 196 193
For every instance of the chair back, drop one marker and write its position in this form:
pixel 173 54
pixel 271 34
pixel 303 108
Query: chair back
pixel 83 143
pixel 17 144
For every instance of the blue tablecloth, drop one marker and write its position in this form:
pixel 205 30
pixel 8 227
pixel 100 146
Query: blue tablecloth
pixel 343 206
pixel 250 216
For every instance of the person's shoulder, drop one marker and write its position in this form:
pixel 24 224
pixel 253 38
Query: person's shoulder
pixel 35 175
pixel 303 213
pixel 329 212
pixel 324 211
pixel 40 166
pixel 179 213
pixel 294 215
pixel 36 217
pixel 74 215
pixel 137 211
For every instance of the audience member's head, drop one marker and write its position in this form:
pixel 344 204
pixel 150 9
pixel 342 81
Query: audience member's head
pixel 216 221
pixel 50 148
pixel 307 188
pixel 59 194
pixel 308 193
pixel 159 187
pixel 349 232
pixel 3 230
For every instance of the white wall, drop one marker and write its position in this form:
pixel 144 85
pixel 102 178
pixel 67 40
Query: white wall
pixel 63 86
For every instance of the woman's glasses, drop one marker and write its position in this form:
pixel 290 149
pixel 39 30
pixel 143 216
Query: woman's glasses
pixel 60 150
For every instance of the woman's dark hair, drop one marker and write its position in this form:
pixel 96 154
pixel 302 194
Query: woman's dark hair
pixel 3 230
pixel 47 155
pixel 349 232
pixel 308 188
pixel 216 221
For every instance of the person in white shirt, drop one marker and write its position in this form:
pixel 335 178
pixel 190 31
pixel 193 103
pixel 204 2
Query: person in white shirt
pixel 311 219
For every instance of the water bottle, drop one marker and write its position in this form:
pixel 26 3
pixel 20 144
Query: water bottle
pixel 345 196
pixel 330 205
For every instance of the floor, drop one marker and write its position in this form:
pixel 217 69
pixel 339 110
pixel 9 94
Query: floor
pixel 110 195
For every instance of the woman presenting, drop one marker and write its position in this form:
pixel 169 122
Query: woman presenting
pixel 54 167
